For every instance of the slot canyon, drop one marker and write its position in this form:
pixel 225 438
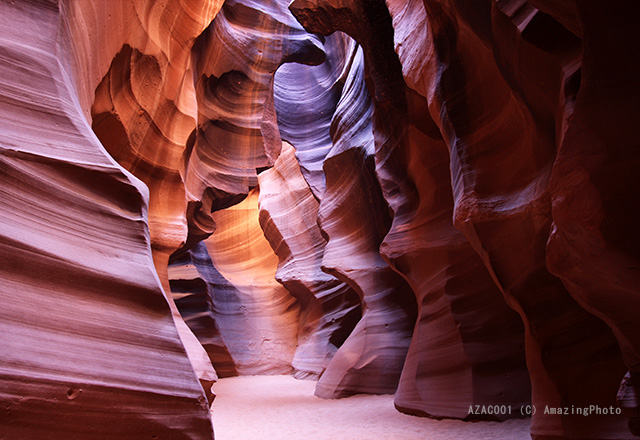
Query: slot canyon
pixel 427 204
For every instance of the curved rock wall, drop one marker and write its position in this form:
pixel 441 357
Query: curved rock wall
pixel 353 215
pixel 257 316
pixel 142 110
pixel 329 308
pixel 507 79
pixel 195 287
pixel 305 100
pixel 596 172
pixel 454 197
pixel 85 323
pixel 234 63
pixel 463 331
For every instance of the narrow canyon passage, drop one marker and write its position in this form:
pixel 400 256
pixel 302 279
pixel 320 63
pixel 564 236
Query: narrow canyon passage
pixel 349 219
pixel 283 408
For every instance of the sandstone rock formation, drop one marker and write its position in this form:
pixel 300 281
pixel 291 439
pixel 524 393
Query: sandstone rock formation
pixel 261 321
pixel 142 113
pixel 226 287
pixel 401 196
pixel 305 99
pixel 234 62
pixel 195 284
pixel 329 308
pixel 86 326
pixel 596 172
pixel 446 371
pixel 353 216
pixel 502 157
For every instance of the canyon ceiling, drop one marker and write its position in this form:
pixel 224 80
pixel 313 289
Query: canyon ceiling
pixel 432 198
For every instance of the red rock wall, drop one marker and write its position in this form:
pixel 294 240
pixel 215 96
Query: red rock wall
pixel 134 74
pixel 594 244
pixel 329 308
pixel 450 217
pixel 90 346
pixel 504 96
pixel 454 353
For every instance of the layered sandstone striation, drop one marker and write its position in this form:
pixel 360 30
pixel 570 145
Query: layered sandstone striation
pixel 258 317
pixel 305 99
pixel 234 62
pixel 351 214
pixel 90 345
pixel 139 88
pixel 464 330
pixel 432 198
pixel 329 308
pixel 509 76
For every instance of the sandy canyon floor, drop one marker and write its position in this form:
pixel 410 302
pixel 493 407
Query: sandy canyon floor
pixel 283 408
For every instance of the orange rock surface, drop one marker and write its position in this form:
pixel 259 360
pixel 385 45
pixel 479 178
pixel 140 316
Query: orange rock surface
pixel 434 199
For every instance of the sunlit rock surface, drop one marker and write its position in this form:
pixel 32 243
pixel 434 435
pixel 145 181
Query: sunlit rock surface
pixel 455 195
pixel 258 317
pixel 90 348
pixel 142 110
pixel 329 308
pixel 235 59
pixel 226 289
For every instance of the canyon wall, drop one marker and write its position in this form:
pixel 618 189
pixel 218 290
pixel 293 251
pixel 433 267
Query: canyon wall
pixel 431 198
pixel 513 183
pixel 91 347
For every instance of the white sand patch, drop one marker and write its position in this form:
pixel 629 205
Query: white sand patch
pixel 283 408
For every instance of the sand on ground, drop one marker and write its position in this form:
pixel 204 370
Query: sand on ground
pixel 283 408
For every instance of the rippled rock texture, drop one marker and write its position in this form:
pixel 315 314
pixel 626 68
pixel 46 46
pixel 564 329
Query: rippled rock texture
pixel 512 80
pixel 432 198
pixel 464 330
pixel 329 308
pixel 90 346
pixel 234 63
